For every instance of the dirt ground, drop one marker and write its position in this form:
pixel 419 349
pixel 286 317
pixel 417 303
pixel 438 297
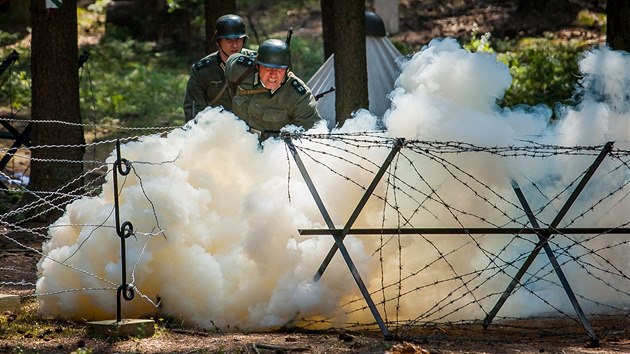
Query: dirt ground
pixel 421 22
pixel 536 335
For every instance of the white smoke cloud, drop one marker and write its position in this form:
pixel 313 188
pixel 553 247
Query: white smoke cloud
pixel 231 255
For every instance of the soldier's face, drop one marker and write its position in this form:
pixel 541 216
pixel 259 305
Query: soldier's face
pixel 230 46
pixel 271 77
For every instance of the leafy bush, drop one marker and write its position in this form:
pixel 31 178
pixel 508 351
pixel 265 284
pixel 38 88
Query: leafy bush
pixel 479 43
pixel 404 48
pixel 129 81
pixel 7 38
pixel 15 82
pixel 586 18
pixel 307 55
pixel 544 70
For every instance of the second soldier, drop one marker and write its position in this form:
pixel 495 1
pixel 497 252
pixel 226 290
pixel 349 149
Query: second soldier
pixel 206 84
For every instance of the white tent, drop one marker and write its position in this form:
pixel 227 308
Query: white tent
pixel 382 73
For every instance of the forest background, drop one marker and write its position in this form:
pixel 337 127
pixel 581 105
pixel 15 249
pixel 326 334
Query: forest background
pixel 138 55
pixel 138 68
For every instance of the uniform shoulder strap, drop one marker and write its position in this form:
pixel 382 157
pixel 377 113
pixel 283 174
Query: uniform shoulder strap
pixel 238 81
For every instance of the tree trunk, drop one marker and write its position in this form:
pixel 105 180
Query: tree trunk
pixel 350 58
pixel 328 30
pixel 213 9
pixel 618 25
pixel 55 96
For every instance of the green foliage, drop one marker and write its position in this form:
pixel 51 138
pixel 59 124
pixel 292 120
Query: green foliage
pixel 404 48
pixel 88 21
pixel 99 6
pixel 7 38
pixel 586 18
pixel 479 43
pixel 15 91
pixel 131 83
pixel 14 195
pixel 544 70
pixel 307 55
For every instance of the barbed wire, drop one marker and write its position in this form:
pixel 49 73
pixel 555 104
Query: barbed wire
pixel 92 125
pixel 407 185
pixel 545 151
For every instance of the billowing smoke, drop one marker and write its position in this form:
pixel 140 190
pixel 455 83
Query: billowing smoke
pixel 216 216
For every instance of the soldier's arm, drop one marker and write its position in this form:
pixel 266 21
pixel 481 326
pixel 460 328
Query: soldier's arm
pixel 238 68
pixel 195 92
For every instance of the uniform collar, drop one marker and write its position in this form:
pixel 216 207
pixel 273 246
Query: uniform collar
pixel 221 62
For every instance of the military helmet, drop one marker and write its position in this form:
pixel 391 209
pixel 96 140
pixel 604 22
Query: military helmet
pixel 374 25
pixel 274 53
pixel 229 26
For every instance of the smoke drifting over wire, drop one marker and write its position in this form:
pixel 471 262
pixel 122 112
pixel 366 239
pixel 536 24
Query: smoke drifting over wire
pixel 217 216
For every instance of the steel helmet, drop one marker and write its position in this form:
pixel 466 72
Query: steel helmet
pixel 374 25
pixel 229 26
pixel 274 53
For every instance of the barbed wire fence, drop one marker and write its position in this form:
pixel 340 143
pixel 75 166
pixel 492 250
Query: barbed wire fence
pixel 587 248
pixel 15 224
pixel 474 215
pixel 583 247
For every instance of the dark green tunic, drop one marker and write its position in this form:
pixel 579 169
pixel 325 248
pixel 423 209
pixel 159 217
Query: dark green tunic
pixel 207 78
pixel 266 112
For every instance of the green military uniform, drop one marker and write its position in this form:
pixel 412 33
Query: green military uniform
pixel 206 81
pixel 266 112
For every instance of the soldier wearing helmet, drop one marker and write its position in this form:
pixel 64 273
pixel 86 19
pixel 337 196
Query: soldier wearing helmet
pixel 266 94
pixel 206 84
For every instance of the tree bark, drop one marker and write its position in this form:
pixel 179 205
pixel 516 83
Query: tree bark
pixel 618 24
pixel 328 30
pixel 213 9
pixel 350 58
pixel 55 97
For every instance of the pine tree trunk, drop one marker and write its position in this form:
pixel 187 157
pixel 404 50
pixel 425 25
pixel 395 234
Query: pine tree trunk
pixel 328 29
pixel 350 61
pixel 55 97
pixel 618 25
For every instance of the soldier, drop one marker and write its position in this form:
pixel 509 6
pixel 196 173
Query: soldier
pixel 206 84
pixel 266 94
